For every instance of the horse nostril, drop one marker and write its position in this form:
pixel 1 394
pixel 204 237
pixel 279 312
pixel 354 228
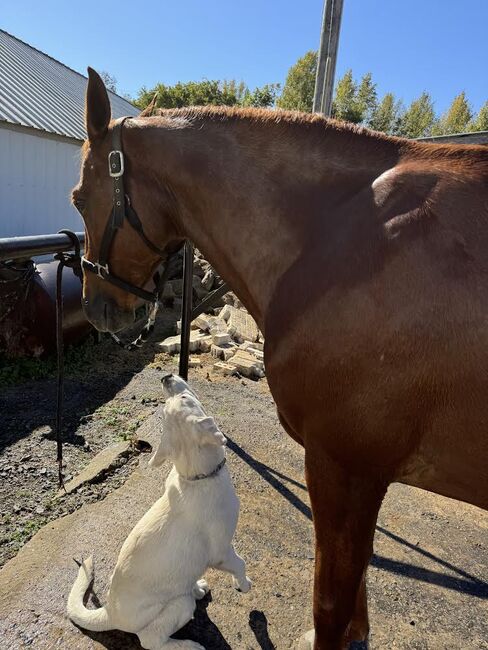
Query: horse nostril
pixel 167 376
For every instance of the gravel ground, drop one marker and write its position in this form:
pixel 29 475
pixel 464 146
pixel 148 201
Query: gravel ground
pixel 99 409
pixel 427 583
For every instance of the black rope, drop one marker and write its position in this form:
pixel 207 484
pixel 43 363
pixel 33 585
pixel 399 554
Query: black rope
pixel 73 261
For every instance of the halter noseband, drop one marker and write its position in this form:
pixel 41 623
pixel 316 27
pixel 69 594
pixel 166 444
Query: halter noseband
pixel 121 210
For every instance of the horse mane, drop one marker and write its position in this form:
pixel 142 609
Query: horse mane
pixel 470 154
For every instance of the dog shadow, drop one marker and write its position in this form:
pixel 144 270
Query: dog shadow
pixel 201 628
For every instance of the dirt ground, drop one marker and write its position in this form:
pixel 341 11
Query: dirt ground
pixel 428 579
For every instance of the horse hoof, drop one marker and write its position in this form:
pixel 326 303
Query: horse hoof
pixel 307 640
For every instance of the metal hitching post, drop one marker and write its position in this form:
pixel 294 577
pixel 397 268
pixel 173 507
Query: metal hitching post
pixel 186 307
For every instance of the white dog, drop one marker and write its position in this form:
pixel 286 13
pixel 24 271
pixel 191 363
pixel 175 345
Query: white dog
pixel 188 530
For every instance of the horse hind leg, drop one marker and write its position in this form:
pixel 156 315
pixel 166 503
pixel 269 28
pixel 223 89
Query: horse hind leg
pixel 345 508
pixel 176 614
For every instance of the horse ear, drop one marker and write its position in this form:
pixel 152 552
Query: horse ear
pixel 148 111
pixel 97 109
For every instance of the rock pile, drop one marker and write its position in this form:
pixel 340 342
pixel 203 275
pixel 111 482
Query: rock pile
pixel 231 336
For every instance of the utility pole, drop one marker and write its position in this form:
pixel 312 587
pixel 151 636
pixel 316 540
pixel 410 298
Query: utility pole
pixel 326 63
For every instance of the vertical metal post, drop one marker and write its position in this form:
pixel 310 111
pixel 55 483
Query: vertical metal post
pixel 326 61
pixel 186 308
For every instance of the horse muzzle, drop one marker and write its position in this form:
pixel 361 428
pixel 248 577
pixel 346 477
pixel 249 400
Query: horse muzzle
pixel 105 315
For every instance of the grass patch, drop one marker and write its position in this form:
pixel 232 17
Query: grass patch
pixel 19 370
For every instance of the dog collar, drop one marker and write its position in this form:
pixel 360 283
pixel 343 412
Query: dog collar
pixel 199 477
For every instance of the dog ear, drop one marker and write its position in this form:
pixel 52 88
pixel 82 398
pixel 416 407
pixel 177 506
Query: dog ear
pixel 208 431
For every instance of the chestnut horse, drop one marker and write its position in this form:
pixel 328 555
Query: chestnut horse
pixel 363 259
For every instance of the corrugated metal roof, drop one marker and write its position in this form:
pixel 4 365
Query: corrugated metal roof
pixel 42 93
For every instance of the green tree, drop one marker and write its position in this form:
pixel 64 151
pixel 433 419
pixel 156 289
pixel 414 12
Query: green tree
pixel 418 119
pixel 456 118
pixel 480 122
pixel 366 98
pixel 300 84
pixel 386 115
pixel 203 93
pixel 264 97
pixel 345 105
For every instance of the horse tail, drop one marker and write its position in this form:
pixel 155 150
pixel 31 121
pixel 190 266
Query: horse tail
pixel 95 620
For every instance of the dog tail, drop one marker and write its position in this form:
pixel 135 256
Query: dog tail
pixel 95 620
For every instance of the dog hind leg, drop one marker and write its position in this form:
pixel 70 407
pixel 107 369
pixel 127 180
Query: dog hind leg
pixel 176 614
pixel 235 565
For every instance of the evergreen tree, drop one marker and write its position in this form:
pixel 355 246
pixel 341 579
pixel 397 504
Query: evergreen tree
pixel 480 122
pixel 418 119
pixel 345 105
pixel 386 115
pixel 456 118
pixel 299 86
pixel 366 98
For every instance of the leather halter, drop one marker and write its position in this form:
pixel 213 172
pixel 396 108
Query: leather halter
pixel 121 210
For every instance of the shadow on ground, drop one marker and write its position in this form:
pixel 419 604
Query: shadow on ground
pixel 90 383
pixel 201 629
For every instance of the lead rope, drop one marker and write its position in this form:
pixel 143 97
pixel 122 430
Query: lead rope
pixel 73 260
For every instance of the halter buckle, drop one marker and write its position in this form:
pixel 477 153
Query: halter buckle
pixel 116 163
pixel 96 267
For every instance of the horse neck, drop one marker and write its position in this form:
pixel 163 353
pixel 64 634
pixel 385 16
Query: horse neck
pixel 248 193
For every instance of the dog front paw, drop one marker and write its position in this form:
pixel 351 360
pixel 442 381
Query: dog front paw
pixel 242 585
pixel 200 589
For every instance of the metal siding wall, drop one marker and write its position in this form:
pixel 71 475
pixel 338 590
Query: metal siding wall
pixel 37 175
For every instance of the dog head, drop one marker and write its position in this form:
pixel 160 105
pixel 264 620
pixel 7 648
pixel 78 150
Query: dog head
pixel 186 428
pixel 174 385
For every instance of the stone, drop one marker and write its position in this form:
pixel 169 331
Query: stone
pixel 194 362
pixel 246 367
pixel 307 641
pixel 208 279
pixel 224 352
pixel 220 338
pixel 244 355
pixel 225 312
pixel 200 342
pixel 202 322
pixel 171 345
pixel 259 354
pixel 100 464
pixel 224 368
pixel 242 326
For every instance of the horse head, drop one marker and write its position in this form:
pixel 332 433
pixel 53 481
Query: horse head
pixel 128 216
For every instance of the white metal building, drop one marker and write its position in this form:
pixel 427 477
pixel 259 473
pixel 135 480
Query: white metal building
pixel 41 132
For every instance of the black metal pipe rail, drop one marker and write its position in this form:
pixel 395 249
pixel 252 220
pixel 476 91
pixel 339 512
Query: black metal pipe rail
pixel 15 248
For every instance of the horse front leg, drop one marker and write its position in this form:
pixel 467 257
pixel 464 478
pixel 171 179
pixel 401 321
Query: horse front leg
pixel 345 507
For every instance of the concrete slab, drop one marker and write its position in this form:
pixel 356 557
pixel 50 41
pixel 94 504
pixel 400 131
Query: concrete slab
pixel 100 464
pixel 427 581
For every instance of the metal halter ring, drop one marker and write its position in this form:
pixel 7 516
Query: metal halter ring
pixel 116 167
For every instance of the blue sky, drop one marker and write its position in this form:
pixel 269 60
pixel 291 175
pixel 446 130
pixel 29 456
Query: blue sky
pixel 409 45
